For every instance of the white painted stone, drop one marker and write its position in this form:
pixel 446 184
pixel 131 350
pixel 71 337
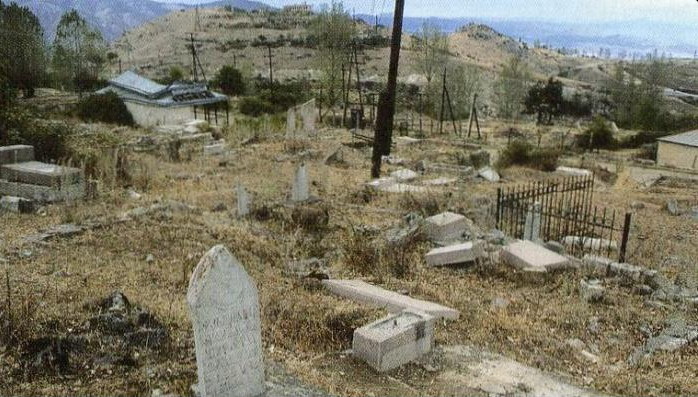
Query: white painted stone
pixel 532 227
pixel 441 181
pixel 301 189
pixel 590 243
pixel 404 175
pixel 403 188
pixel 445 226
pixel 243 201
pixel 394 340
pixel 381 183
pixel 363 292
pixel 291 124
pixel 191 130
pixel 224 306
pixel 489 174
pixel 531 257
pixel 573 171
pixel 455 254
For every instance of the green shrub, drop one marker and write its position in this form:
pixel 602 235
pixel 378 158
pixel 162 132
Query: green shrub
pixel 230 81
pixel 105 108
pixel 598 136
pixel 48 138
pixel 255 106
pixel 522 153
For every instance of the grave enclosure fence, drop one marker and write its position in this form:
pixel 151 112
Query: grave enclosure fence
pixel 562 210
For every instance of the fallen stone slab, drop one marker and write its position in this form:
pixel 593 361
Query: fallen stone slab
pixel 37 173
pixel 16 154
pixel 404 175
pixel 395 340
pixel 216 149
pixel 16 204
pixel 531 257
pixel 445 226
pixel 42 194
pixel 441 181
pixel 381 183
pixel 403 188
pixel 489 174
pixel 455 254
pixel 573 171
pixel 363 292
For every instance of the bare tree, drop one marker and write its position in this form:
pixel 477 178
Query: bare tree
pixel 511 88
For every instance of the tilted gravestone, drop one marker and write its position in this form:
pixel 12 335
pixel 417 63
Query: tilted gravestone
pixel 224 307
pixel 301 190
pixel 243 201
pixel 291 124
pixel 532 227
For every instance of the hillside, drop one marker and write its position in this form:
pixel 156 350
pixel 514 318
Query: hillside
pixel 226 37
pixel 112 17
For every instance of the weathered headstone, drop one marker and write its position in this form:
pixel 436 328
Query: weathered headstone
pixel 291 123
pixel 301 190
pixel 533 223
pixel 224 306
pixel 309 115
pixel 243 201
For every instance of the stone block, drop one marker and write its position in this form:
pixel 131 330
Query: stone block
pixel 16 154
pixel 573 171
pixel 404 175
pixel 454 254
pixel 531 257
pixel 394 340
pixel 489 174
pixel 42 194
pixel 592 290
pixel 37 173
pixel 216 149
pixel 16 204
pixel 446 226
pixel 362 292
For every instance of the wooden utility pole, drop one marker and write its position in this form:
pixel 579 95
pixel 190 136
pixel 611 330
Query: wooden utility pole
pixel 443 104
pixel 386 109
pixel 474 118
pixel 194 73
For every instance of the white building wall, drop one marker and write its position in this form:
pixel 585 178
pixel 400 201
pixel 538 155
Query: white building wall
pixel 149 116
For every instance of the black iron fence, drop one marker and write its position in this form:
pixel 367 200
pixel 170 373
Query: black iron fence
pixel 562 210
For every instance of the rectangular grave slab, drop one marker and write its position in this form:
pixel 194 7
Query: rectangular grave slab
pixel 16 204
pixel 42 194
pixel 42 174
pixel 216 149
pixel 16 154
pixel 445 226
pixel 363 292
pixel 394 340
pixel 531 257
pixel 455 254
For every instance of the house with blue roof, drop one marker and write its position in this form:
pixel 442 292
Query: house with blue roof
pixel 153 104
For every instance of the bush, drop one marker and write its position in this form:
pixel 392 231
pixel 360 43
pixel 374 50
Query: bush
pixel 255 106
pixel 230 81
pixel 524 154
pixel 105 108
pixel 597 136
pixel 48 138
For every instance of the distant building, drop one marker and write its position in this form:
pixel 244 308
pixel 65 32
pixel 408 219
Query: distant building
pixel 153 104
pixel 680 151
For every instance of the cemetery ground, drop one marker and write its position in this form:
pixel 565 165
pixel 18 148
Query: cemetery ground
pixel 145 240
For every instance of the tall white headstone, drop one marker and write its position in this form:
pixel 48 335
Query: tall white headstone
pixel 291 123
pixel 243 201
pixel 533 223
pixel 301 190
pixel 309 116
pixel 224 306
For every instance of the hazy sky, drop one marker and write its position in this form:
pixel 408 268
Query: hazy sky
pixel 563 10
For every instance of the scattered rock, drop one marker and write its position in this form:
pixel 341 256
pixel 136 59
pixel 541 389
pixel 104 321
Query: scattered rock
pixel 676 334
pixel 489 174
pixel 637 205
pixel 499 303
pixel 134 195
pixel 335 158
pixel 672 206
pixel 404 175
pixel 592 291
pixel 150 258
pixel 308 268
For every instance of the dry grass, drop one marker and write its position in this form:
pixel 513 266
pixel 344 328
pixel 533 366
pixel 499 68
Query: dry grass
pixel 304 327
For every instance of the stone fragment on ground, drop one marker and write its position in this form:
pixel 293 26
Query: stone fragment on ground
pixel 573 171
pixel 363 292
pixel 676 334
pixel 455 254
pixel 672 206
pixel 440 181
pixel 404 175
pixel 16 204
pixel 488 173
pixel 394 340
pixel 531 257
pixel 446 226
pixel 592 291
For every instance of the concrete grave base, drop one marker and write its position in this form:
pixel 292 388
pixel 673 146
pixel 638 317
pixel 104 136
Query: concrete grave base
pixel 16 204
pixel 36 173
pixel 455 254
pixel 445 226
pixel 42 194
pixel 531 257
pixel 394 340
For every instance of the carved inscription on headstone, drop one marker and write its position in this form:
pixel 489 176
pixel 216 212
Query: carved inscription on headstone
pixel 224 307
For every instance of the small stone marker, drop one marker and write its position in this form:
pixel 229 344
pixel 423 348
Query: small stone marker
pixel 445 226
pixel 531 257
pixel 301 189
pixel 404 175
pixel 455 254
pixel 224 306
pixel 16 154
pixel 215 149
pixel 394 340
pixel 291 124
pixel 592 290
pixel 573 171
pixel 243 201
pixel 489 174
pixel 533 223
pixel 363 292
pixel 16 204
pixel 308 113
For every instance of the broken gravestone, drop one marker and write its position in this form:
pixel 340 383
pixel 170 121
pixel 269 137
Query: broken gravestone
pixel 224 306
pixel 532 227
pixel 243 201
pixel 291 124
pixel 301 190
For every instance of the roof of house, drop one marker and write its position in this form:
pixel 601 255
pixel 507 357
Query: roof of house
pixel 135 88
pixel 687 138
